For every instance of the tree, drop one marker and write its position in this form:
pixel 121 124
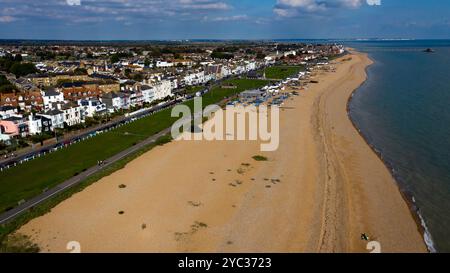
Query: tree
pixel 260 56
pixel 80 71
pixel 221 55
pixel 22 143
pixel 8 88
pixel 115 59
pixel 3 145
pixel 117 56
pixel 61 82
pixel 5 85
pixel 6 62
pixel 45 55
pixel 156 53
pixel 18 58
pixel 147 62
pixel 24 69
pixel 138 77
pixel 3 80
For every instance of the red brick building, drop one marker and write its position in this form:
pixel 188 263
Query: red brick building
pixel 25 100
pixel 82 92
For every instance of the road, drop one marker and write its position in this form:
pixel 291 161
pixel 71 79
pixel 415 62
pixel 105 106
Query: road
pixel 11 214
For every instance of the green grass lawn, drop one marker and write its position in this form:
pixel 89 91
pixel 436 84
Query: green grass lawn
pixel 194 89
pixel 31 178
pixel 282 72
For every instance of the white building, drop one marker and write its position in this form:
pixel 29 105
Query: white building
pixel 51 96
pixel 289 53
pixel 209 77
pixel 4 137
pixel 162 89
pixel 174 83
pixel 135 98
pixel 270 60
pixel 194 78
pixel 239 69
pixel 56 117
pixel 225 71
pixel 92 107
pixel 71 112
pixel 34 125
pixel 148 93
pixel 7 111
pixel 115 101
pixel 164 64
pixel 39 124
pixel 250 65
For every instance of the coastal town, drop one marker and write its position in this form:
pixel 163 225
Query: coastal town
pixel 218 134
pixel 50 92
pixel 93 121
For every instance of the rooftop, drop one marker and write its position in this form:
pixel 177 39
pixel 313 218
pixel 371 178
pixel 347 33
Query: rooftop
pixel 51 92
pixel 7 108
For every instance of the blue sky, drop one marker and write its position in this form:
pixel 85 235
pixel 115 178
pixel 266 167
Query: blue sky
pixel 223 19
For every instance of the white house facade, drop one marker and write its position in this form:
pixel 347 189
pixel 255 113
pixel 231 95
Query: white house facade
pixel 51 96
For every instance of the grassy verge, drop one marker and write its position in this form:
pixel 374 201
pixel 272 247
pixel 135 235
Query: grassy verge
pixel 194 89
pixel 282 72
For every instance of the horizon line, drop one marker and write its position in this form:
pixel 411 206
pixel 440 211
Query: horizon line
pixel 227 39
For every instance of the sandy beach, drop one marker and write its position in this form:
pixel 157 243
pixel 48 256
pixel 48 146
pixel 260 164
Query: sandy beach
pixel 318 192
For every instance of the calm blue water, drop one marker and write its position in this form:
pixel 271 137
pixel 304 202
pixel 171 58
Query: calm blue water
pixel 404 111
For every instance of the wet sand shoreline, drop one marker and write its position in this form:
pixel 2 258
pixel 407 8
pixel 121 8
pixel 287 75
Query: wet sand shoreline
pixel 409 199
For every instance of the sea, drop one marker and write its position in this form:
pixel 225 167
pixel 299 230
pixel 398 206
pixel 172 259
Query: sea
pixel 403 111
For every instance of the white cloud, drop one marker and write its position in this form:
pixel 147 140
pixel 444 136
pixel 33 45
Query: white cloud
pixel 226 18
pixel 374 2
pixel 103 10
pixel 203 5
pixel 291 8
pixel 7 19
pixel 73 2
